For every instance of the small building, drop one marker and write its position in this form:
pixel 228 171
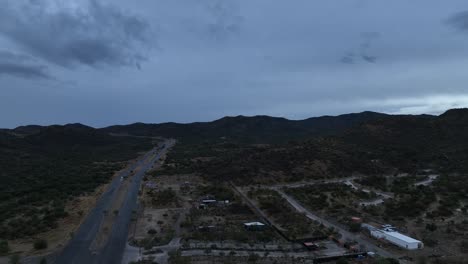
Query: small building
pixel 209 201
pixel 151 185
pixel 254 226
pixel 225 202
pixel 311 245
pixel 397 238
pixel 206 228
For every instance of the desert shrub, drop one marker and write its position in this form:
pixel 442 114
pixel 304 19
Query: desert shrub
pixel 14 259
pixel 464 246
pixel 430 242
pixel 4 247
pixel 342 261
pixel 355 227
pixel 40 244
pixel 431 227
pixel 152 231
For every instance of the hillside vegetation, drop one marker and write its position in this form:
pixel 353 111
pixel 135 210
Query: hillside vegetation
pixel 383 145
pixel 412 142
pixel 41 169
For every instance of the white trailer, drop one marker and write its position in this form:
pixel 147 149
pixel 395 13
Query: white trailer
pixel 398 239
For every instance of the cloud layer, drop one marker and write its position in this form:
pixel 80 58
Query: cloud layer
pixel 459 21
pixel 22 66
pixel 89 34
pixel 216 57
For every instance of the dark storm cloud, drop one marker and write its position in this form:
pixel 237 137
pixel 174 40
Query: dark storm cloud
pixel 224 19
pixel 367 40
pixel 459 21
pixel 22 66
pixel 11 56
pixel 24 71
pixel 370 59
pixel 348 59
pixel 93 34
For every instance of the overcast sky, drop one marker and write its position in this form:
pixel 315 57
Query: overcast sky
pixel 115 62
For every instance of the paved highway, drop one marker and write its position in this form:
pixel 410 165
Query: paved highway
pixel 77 251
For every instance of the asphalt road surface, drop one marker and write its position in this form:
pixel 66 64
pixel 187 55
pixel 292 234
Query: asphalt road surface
pixel 77 251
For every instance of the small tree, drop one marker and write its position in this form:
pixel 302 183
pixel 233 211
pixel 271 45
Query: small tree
pixel 40 244
pixel 355 227
pixel 431 227
pixel 464 246
pixel 422 260
pixel 15 259
pixel 253 258
pixel 4 247
pixel 342 261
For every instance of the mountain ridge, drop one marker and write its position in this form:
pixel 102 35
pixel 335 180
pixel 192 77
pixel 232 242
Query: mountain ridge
pixel 253 129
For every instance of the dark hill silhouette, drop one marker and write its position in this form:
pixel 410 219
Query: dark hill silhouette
pixel 385 144
pixel 256 129
pixel 415 140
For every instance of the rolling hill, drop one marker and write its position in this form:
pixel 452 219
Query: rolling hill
pixel 41 167
pixel 256 129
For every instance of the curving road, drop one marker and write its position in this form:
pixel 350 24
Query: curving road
pixel 77 251
pixel 346 234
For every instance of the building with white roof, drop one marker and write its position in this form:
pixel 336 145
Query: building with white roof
pixel 397 238
pixel 254 226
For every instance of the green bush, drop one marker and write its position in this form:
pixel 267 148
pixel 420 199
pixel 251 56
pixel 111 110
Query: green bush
pixel 464 246
pixel 4 247
pixel 355 227
pixel 253 258
pixel 15 259
pixel 387 261
pixel 342 261
pixel 40 244
pixel 430 242
pixel 431 227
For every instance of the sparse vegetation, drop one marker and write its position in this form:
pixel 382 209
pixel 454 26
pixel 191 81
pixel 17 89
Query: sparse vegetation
pixel 40 244
pixel 42 171
pixel 14 259
pixel 4 247
pixel 377 149
pixel 166 197
pixel 296 225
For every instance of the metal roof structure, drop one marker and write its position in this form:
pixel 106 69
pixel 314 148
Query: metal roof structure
pixel 402 237
pixel 254 224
